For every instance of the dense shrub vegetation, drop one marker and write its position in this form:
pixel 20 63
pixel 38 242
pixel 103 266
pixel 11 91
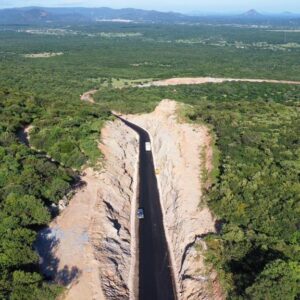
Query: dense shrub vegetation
pixel 28 184
pixel 31 180
pixel 70 133
pixel 255 195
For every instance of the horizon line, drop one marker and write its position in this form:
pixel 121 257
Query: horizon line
pixel 187 12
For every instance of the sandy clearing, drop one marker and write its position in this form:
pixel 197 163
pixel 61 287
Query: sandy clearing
pixel 203 80
pixel 285 30
pixel 88 96
pixel 43 55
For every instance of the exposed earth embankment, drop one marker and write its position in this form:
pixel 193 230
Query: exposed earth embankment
pixel 88 248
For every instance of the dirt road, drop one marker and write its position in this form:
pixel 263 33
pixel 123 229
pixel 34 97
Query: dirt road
pixel 203 80
pixel 88 96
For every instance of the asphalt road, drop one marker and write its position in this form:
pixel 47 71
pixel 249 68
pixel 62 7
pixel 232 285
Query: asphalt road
pixel 156 280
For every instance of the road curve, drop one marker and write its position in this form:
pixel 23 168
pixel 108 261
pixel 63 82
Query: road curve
pixel 156 278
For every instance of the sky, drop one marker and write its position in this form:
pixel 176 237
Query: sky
pixel 169 5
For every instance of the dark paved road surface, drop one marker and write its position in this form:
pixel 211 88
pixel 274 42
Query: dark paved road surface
pixel 155 273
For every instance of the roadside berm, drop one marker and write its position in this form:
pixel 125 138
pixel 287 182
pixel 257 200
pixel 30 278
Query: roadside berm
pixel 95 235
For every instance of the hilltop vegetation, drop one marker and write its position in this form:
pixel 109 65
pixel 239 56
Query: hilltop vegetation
pixel 255 190
pixel 256 196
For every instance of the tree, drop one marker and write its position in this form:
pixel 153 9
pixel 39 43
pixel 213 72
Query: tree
pixel 279 280
pixel 27 209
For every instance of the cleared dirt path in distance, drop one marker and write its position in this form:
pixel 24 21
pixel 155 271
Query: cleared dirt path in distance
pixel 88 96
pixel 202 80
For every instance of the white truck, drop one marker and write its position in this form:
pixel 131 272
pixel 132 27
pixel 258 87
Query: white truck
pixel 148 146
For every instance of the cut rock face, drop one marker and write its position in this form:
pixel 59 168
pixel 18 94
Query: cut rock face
pixel 111 226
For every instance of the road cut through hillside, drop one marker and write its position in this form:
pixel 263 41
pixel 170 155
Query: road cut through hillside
pixel 176 149
pixel 155 273
pixel 92 246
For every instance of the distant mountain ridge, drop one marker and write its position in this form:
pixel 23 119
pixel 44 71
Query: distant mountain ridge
pixel 75 15
pixel 29 15
pixel 252 13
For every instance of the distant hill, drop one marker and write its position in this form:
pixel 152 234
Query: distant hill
pixel 30 15
pixel 252 13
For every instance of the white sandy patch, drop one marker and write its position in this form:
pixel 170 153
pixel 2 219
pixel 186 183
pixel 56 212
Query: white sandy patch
pixel 43 55
pixel 88 96
pixel 75 264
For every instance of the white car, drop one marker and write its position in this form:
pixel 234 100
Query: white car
pixel 140 213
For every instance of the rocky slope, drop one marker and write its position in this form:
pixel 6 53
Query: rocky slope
pixel 89 248
pixel 112 227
